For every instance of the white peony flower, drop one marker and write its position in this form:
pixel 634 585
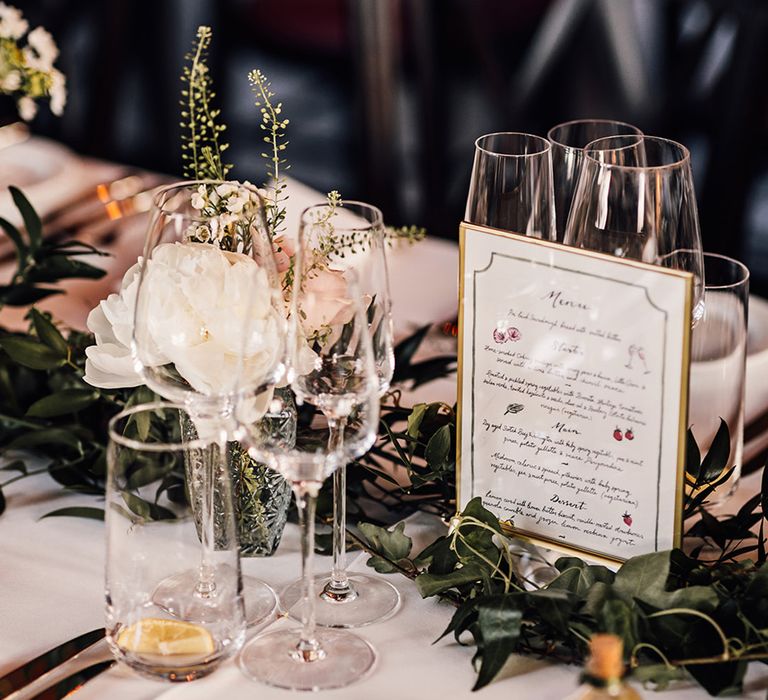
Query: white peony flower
pixel 197 304
pixel 58 92
pixel 109 363
pixel 12 22
pixel 27 108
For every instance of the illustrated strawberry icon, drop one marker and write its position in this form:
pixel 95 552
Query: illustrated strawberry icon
pixel 627 518
pixel 618 435
pixel 499 336
pixel 629 434
pixel 513 334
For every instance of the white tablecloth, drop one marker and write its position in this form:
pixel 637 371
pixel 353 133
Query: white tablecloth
pixel 51 570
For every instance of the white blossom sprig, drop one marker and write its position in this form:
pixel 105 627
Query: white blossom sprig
pixel 27 71
pixel 277 164
pixel 201 147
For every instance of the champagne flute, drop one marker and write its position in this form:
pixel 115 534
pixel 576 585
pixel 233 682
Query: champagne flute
pixel 207 256
pixel 150 540
pixel 348 600
pixel 336 368
pixel 635 199
pixel 511 187
pixel 568 142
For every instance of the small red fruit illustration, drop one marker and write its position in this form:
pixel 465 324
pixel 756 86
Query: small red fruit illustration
pixel 629 434
pixel 618 435
pixel 627 518
pixel 499 336
pixel 513 334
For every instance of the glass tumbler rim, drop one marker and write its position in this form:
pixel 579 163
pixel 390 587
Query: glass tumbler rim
pixel 139 445
pixel 554 140
pixel 377 223
pixel 683 160
pixel 546 146
pixel 716 256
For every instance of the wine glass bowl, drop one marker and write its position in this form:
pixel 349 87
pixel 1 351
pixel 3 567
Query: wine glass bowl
pixel 635 199
pixel 207 255
pixel 569 140
pixel 511 186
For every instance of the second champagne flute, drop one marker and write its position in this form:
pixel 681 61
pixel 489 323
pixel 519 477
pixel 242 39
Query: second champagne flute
pixel 343 381
pixel 347 600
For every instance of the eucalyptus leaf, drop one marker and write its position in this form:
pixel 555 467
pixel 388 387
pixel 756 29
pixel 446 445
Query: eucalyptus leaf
pixel 48 333
pixel 146 509
pixel 716 459
pixel 29 352
pixel 76 512
pixel 62 403
pixel 32 221
pixel 22 250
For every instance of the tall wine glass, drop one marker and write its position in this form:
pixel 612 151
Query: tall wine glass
pixel 568 142
pixel 207 257
pixel 336 369
pixel 635 199
pixel 511 187
pixel 151 539
pixel 348 600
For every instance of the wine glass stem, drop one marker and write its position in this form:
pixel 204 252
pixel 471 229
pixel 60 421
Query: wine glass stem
pixel 338 588
pixel 216 454
pixel 308 649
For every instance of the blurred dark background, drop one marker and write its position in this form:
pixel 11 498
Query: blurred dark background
pixel 386 97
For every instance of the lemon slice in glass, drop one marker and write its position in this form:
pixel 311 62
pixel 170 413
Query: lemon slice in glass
pixel 157 636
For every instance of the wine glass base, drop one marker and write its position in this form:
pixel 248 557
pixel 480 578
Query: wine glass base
pixel 374 600
pixel 177 596
pixel 272 658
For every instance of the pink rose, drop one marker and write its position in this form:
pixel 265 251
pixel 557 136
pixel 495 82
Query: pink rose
pixel 326 301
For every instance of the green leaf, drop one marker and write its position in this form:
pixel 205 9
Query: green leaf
pixel 23 294
pixel 716 459
pixel 15 466
pixel 62 403
pixel 76 512
pixel 644 578
pixel 432 584
pixel 499 621
pixel 578 577
pixel 51 438
pixel 30 353
pixel 692 457
pixel 2 501
pixel 392 544
pixel 31 220
pixel 59 267
pixel 48 333
pixel 414 419
pixel 145 509
pixel 438 449
pixel 13 233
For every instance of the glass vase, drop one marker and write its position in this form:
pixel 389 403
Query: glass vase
pixel 260 495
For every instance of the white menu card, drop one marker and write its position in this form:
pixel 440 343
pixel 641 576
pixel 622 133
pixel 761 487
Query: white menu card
pixel 573 378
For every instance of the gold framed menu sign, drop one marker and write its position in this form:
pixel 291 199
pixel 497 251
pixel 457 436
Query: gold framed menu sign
pixel 573 386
